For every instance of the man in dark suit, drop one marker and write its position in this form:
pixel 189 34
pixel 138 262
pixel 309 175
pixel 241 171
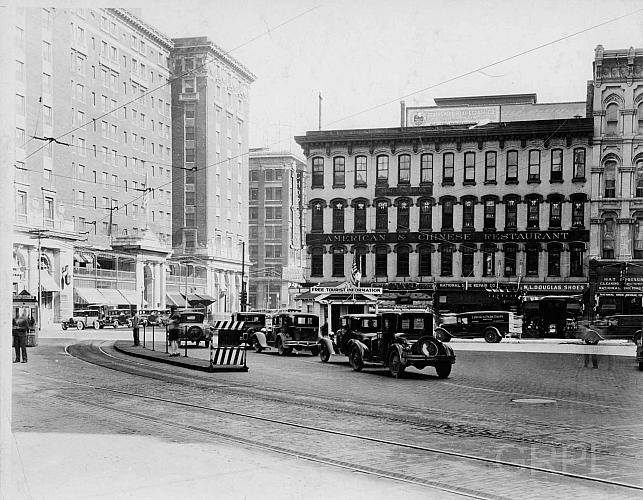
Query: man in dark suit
pixel 20 331
pixel 135 326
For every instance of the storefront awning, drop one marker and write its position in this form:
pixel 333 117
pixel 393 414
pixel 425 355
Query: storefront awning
pixel 47 282
pixel 113 297
pixel 200 299
pixel 306 296
pixel 88 296
pixel 130 296
pixel 175 299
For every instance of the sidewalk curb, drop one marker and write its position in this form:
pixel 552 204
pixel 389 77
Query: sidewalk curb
pixel 190 363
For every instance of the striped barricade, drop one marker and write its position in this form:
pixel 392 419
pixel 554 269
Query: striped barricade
pixel 229 353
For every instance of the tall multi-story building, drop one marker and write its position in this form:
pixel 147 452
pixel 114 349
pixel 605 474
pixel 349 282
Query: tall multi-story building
pixel 616 251
pixel 210 182
pixel 276 228
pixel 93 158
pixel 477 203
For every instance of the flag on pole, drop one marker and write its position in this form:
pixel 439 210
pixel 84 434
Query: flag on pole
pixel 356 275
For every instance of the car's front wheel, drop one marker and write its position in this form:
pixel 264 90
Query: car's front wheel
pixel 256 345
pixel 443 370
pixel 355 359
pixel 280 348
pixel 80 325
pixel 491 336
pixel 115 324
pixel 64 326
pixel 324 353
pixel 97 325
pixel 395 365
pixel 591 341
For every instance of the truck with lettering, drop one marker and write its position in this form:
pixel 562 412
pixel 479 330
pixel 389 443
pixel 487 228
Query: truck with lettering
pixel 493 326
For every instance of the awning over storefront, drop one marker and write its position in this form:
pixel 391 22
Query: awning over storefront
pixel 130 296
pixel 113 297
pixel 47 282
pixel 175 299
pixel 88 296
pixel 200 299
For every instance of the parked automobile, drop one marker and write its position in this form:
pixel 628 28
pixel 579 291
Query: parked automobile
pixel 402 339
pixel 617 326
pixel 82 318
pixel 154 317
pixel 116 318
pixel 192 327
pixel 253 322
pixel 287 331
pixel 351 326
pixel 490 325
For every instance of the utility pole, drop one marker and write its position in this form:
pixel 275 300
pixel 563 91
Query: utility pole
pixel 243 276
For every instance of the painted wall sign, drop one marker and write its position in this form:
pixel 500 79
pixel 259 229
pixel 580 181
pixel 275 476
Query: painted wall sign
pixel 436 115
pixel 454 237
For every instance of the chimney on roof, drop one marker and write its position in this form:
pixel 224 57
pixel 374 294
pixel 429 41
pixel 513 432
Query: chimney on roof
pixel 402 114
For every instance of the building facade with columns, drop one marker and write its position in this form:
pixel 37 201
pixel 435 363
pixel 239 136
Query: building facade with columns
pixel 616 250
pixel 470 204
pixel 210 104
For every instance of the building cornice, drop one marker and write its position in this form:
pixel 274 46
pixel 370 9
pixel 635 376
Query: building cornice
pixel 160 38
pixel 218 52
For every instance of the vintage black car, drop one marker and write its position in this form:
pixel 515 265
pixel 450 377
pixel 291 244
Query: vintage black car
pixel 192 327
pixel 116 318
pixel 490 325
pixel 352 326
pixel 253 322
pixel 398 339
pixel 287 331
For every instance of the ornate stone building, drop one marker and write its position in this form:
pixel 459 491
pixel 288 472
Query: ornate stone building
pixel 616 251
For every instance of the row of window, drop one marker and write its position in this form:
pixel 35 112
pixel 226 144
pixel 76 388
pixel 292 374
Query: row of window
pixel 269 174
pixel 512 265
pixel 425 207
pixel 360 168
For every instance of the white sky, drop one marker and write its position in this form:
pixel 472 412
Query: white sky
pixel 365 53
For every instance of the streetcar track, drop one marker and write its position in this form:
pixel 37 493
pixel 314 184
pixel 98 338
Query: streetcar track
pixel 315 429
pixel 440 427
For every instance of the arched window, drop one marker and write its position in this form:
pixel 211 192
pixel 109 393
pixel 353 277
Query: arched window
pixel 553 259
pixel 488 260
pixel 403 260
pixel 609 237
pixel 555 211
pixel 639 118
pixel 317 224
pixel 638 236
pixel 511 213
pixel 339 171
pixel 381 260
pixel 317 261
pixel 381 215
pixel 426 215
pixel 403 209
pixel 533 212
pixel 359 213
pixel 639 178
pixel 576 259
pixel 318 172
pixel 468 251
pixel 382 169
pixel 489 213
pixel 426 168
pixel 338 261
pixel 611 119
pixel 511 259
pixel 424 255
pixel 468 213
pixel 609 175
pixel 446 260
pixel 338 216
pixel 404 169
pixel 447 213
pixel 361 167
pixel 532 252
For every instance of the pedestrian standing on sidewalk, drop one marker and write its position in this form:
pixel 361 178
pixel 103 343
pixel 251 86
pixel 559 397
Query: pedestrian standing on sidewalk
pixel 136 320
pixel 173 336
pixel 20 338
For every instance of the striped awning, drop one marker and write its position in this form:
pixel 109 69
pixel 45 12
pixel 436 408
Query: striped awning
pixel 228 325
pixel 175 299
pixel 88 296
pixel 130 296
pixel 113 297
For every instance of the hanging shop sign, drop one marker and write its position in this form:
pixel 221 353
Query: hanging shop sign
pixel 346 290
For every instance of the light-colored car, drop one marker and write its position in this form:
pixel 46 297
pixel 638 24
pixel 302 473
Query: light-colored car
pixel 83 318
